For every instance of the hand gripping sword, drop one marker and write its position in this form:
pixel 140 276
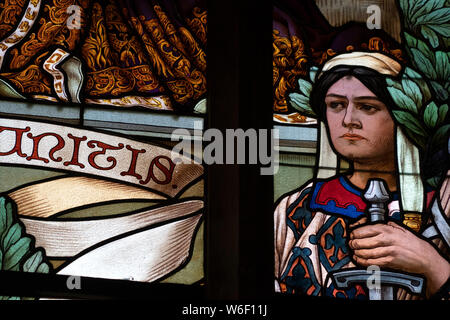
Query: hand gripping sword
pixel 377 196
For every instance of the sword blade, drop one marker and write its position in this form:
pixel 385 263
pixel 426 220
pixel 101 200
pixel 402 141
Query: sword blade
pixel 382 293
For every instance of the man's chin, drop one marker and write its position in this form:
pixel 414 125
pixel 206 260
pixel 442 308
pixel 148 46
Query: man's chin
pixel 354 157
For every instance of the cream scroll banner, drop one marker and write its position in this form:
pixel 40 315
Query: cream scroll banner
pixel 88 152
pixel 144 245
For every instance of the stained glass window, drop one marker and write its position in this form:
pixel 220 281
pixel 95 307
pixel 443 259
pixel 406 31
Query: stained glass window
pixel 92 92
pixel 361 103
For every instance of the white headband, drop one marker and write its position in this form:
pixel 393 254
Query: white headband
pixel 372 60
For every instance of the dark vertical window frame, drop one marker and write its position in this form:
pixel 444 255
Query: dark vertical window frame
pixel 239 241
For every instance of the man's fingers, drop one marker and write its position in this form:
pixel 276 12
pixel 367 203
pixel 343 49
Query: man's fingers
pixel 374 253
pixel 368 243
pixel 367 231
pixel 382 262
pixel 361 221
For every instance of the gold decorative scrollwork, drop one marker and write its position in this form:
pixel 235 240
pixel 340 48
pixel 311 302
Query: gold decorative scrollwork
pixel 157 56
pixel 374 44
pixel 289 62
pixel 30 80
pixel 10 12
pixel 198 24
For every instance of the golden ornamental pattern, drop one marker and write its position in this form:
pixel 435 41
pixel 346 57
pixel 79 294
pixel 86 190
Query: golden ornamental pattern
pixel 123 54
pixel 198 24
pixel 289 62
pixel 10 12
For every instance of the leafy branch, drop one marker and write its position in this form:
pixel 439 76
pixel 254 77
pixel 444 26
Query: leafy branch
pixel 17 252
pixel 427 37
pixel 300 100
pixel 422 94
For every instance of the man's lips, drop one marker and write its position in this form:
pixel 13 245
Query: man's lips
pixel 352 136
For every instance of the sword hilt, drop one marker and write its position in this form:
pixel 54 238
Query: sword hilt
pixel 377 195
pixel 343 279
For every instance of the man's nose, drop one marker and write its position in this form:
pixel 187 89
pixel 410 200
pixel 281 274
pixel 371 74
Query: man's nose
pixel 350 119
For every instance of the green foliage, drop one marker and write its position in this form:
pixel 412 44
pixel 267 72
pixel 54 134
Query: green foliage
pixel 423 63
pixel 427 32
pixel 420 81
pixel 430 18
pixel 442 113
pixel 430 115
pixel 422 93
pixel 300 100
pixel 441 135
pixel 402 99
pixel 312 73
pixel 17 252
pixel 412 125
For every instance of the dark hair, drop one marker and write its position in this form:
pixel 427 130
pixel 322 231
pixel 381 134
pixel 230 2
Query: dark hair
pixel 373 80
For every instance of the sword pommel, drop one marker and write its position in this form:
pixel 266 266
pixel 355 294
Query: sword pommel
pixel 377 195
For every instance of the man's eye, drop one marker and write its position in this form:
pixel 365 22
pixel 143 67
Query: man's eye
pixel 367 107
pixel 335 105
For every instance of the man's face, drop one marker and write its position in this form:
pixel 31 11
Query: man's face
pixel 361 128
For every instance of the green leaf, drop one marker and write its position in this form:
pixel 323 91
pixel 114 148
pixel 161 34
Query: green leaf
pixel 6 217
pixel 442 29
pixel 423 63
pixel 43 268
pixel 3 216
pixel 412 90
pixel 442 65
pixel 404 5
pixel 402 100
pixel 408 121
pixel 414 44
pixel 299 99
pixel 16 245
pixel 443 110
pixel 446 42
pixel 417 78
pixel 430 35
pixel 305 87
pixel 414 7
pixel 14 254
pixel 412 74
pixel 410 40
pixel 419 140
pixel 438 16
pixel 434 182
pixel 440 137
pixel 12 236
pixel 393 83
pixel 301 103
pixel 427 52
pixel 430 115
pixel 441 93
pixel 312 73
pixel 427 7
pixel 33 262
